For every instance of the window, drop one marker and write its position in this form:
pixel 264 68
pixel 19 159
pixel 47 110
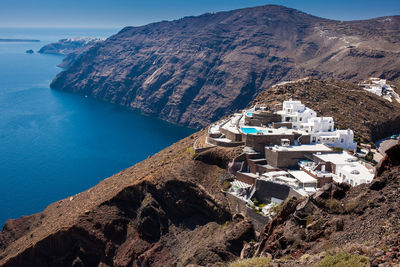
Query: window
pixel 342 140
pixel 300 119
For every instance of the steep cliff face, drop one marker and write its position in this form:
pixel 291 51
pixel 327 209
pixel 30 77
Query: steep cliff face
pixel 194 70
pixel 370 116
pixel 167 210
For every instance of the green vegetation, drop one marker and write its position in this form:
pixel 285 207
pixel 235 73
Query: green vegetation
pixel 351 205
pixel 309 220
pixel 373 145
pixel 369 157
pixel 276 208
pixel 343 259
pixel 226 185
pixel 357 138
pixel 337 149
pixel 333 205
pixel 191 152
pixel 253 262
pixel 255 201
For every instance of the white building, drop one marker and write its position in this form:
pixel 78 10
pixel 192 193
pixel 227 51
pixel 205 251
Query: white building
pixel 381 88
pixel 346 168
pixel 321 129
pixel 296 113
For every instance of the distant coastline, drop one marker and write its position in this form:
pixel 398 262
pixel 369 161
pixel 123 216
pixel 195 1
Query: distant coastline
pixel 19 40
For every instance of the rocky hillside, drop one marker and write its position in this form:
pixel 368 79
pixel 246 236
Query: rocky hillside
pixel 72 48
pixel 338 219
pixel 165 211
pixel 370 116
pixel 194 70
pixel 169 211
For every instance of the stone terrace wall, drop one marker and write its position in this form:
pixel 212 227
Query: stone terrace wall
pixel 239 206
pixel 243 177
pixel 264 118
pixel 237 137
pixel 258 142
pixel 223 144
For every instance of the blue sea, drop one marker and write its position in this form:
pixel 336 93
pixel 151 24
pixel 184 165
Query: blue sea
pixel 55 144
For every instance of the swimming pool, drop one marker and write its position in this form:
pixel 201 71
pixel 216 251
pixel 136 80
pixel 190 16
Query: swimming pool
pixel 250 130
pixel 249 114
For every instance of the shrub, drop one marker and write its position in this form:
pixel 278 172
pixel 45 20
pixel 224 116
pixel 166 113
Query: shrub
pixel 309 220
pixel 351 205
pixel 343 259
pixel 333 205
pixel 337 149
pixel 226 185
pixel 255 201
pixel 191 152
pixel 369 157
pixel 277 208
pixel 252 262
pixel 373 145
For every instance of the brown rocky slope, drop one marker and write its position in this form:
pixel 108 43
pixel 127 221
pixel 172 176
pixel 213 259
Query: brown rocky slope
pixel 195 70
pixel 370 116
pixel 165 211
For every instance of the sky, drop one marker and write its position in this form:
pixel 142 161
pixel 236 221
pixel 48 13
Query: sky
pixel 121 13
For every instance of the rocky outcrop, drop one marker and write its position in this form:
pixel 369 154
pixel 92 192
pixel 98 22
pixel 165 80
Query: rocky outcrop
pixel 71 48
pixel 165 211
pixel 195 70
pixel 369 116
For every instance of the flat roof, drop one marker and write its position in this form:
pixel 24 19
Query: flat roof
pixel 363 172
pixel 286 179
pixel 310 147
pixel 337 158
pixel 250 174
pixel 303 177
pixel 267 166
pixel 275 173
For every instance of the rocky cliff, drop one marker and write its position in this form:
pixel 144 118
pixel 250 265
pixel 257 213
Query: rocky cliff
pixel 370 116
pixel 195 70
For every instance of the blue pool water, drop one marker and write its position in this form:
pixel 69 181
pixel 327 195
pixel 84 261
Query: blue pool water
pixel 249 130
pixel 249 114
pixel 55 144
